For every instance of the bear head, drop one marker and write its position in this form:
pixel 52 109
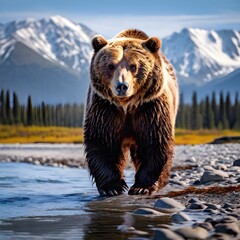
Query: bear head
pixel 128 68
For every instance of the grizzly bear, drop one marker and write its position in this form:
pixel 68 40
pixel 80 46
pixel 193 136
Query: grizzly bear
pixel 130 113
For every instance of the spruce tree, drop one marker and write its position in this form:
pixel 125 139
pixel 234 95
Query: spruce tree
pixel 3 116
pixel 195 113
pixel 208 115
pixel 9 113
pixel 236 113
pixel 30 115
pixel 180 122
pixel 44 114
pixel 214 109
pixel 229 110
pixel 23 115
pixel 16 109
pixel 222 119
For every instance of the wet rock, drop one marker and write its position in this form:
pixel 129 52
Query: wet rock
pixel 229 228
pixel 192 233
pixel 177 182
pixel 236 163
pixel 129 229
pixel 174 175
pixel 214 175
pixel 166 234
pixel 148 211
pixel 213 206
pixel 220 236
pixel 36 162
pixel 170 204
pixel 180 217
pixel 228 219
pixel 210 211
pixel 222 167
pixel 206 225
pixel 196 206
pixel 194 200
pixel 191 160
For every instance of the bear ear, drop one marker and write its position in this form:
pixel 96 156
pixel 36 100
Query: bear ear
pixel 153 44
pixel 98 42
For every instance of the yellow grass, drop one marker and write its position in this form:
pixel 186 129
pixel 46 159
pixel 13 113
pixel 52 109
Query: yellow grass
pixel 36 134
pixel 183 136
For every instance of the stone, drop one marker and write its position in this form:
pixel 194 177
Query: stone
pixel 192 233
pixel 213 206
pixel 236 163
pixel 220 236
pixel 229 228
pixel 191 160
pixel 206 225
pixel 177 182
pixel 166 234
pixel 174 175
pixel 228 219
pixel 196 206
pixel 148 211
pixel 180 217
pixel 215 176
pixel 36 162
pixel 194 200
pixel 170 204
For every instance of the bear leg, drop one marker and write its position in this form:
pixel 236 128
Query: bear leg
pixel 152 170
pixel 106 169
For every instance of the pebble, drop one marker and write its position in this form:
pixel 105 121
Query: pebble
pixel 229 228
pixel 177 182
pixel 215 175
pixel 236 163
pixel 180 217
pixel 166 203
pixel 148 211
pixel 166 234
pixel 196 206
pixel 36 162
pixel 220 236
pixel 191 160
pixel 192 233
pixel 213 206
pixel 194 200
pixel 206 225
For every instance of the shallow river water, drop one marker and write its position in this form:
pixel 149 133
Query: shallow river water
pixel 41 202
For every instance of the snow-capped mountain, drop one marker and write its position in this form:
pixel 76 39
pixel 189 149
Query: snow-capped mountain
pixel 199 56
pixel 55 38
pixel 49 58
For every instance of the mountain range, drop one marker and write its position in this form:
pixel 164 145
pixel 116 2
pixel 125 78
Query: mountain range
pixel 49 59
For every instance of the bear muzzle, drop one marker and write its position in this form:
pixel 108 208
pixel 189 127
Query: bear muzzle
pixel 121 88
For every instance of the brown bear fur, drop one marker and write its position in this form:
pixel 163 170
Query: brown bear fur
pixel 139 122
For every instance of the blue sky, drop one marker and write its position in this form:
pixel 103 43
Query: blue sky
pixel 156 17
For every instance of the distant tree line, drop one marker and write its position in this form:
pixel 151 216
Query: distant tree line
pixel 214 112
pixel 13 113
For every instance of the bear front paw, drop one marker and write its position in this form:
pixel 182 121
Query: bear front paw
pixel 142 190
pixel 113 188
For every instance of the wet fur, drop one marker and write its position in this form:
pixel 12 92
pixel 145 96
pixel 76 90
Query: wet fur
pixel 142 127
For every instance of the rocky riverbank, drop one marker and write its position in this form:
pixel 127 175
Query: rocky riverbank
pixel 201 201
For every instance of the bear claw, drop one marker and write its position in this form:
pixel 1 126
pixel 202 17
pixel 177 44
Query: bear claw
pixel 141 191
pixel 113 189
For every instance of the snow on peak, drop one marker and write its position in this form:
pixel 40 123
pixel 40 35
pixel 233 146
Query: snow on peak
pixel 199 55
pixel 56 38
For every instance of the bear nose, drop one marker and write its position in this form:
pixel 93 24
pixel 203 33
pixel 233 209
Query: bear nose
pixel 121 88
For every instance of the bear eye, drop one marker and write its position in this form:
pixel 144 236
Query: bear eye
pixel 133 67
pixel 111 66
